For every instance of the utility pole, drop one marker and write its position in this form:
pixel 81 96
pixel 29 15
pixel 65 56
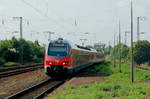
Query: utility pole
pixel 83 41
pixel 21 37
pixel 20 19
pixel 119 47
pixel 114 51
pixel 3 22
pixel 49 34
pixel 138 27
pixel 87 33
pixel 125 39
pixel 109 46
pixel 132 65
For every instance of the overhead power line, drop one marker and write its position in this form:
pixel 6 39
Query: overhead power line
pixel 37 10
pixel 46 14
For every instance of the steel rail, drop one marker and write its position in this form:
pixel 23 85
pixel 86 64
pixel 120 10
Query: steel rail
pixel 37 91
pixel 2 69
pixel 49 90
pixel 19 71
pixel 142 67
pixel 48 86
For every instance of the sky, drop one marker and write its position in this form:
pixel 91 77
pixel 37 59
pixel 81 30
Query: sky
pixel 94 20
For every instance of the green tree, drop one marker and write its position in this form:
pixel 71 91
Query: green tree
pixel 6 51
pixel 141 52
pixel 124 51
pixel 10 51
pixel 108 50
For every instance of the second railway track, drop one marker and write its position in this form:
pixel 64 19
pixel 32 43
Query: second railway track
pixel 5 72
pixel 43 88
pixel 37 91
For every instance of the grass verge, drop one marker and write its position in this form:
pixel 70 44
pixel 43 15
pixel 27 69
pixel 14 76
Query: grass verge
pixel 103 68
pixel 8 64
pixel 115 86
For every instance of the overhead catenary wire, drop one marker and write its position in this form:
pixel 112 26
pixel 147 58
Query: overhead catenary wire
pixel 42 14
pixel 37 10
pixel 45 15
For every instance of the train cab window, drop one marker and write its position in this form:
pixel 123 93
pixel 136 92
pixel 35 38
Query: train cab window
pixel 57 51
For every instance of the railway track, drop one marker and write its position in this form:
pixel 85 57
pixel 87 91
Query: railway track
pixel 141 67
pixel 43 88
pixel 5 72
pixel 37 91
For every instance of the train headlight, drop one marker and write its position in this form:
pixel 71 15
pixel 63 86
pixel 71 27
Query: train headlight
pixel 49 63
pixel 65 63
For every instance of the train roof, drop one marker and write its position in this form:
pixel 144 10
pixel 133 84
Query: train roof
pixel 73 46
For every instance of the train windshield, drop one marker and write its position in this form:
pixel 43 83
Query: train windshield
pixel 57 51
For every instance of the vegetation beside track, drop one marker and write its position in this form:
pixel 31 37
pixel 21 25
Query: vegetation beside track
pixel 10 64
pixel 117 85
pixel 10 51
pixel 103 68
pixel 141 52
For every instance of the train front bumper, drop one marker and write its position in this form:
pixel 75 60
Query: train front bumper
pixel 54 69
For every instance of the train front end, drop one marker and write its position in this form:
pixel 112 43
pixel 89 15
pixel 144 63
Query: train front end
pixel 57 58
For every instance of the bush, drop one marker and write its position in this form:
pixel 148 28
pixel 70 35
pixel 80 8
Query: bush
pixel 38 60
pixel 2 61
pixel 10 51
pixel 103 68
pixel 141 52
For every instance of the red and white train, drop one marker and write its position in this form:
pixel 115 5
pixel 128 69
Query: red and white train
pixel 62 57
